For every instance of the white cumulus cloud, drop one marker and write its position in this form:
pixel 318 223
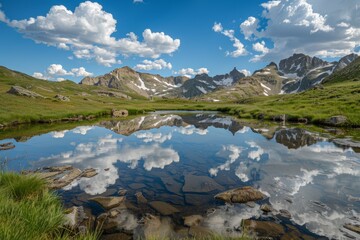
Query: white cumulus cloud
pixel 189 72
pixel 87 32
pixel 237 44
pixel 318 28
pixel 153 65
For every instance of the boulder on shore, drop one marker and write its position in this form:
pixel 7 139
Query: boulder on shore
pixel 119 113
pixel 240 195
pixel 337 120
pixel 20 91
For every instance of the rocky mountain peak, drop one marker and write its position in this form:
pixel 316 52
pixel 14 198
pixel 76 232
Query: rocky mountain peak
pixel 124 70
pixel 344 61
pixel 272 64
pixel 236 75
pixel 300 64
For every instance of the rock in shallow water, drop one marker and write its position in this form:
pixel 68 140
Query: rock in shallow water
pixel 108 202
pixel 193 220
pixel 240 195
pixel 163 207
pixel 200 184
pixel 66 180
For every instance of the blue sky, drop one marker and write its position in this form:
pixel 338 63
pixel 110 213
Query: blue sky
pixel 71 39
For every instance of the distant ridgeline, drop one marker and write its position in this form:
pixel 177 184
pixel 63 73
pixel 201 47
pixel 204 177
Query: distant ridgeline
pixel 294 74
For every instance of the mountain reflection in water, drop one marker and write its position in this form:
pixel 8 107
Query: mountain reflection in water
pixel 186 159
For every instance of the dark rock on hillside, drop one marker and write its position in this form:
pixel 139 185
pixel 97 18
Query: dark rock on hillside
pixel 20 91
pixel 62 98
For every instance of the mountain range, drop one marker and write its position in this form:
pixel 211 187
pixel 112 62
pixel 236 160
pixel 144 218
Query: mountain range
pixel 294 74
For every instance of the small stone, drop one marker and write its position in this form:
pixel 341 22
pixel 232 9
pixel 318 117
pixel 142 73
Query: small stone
pixel 113 213
pixel 266 208
pixel 285 213
pixel 140 198
pixel 122 192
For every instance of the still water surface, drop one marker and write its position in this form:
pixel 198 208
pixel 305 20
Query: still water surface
pixel 303 172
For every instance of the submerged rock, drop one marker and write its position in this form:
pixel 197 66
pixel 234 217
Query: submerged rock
pixel 200 184
pixel 122 192
pixel 172 185
pixel 89 173
pixel 108 202
pixel 136 186
pixel 66 179
pixel 163 208
pixel 193 220
pixel 240 195
pixel 140 198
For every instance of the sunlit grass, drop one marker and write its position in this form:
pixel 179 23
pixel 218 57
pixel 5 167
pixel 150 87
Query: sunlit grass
pixel 29 211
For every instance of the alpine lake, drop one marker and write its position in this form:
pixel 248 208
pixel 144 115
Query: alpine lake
pixel 167 167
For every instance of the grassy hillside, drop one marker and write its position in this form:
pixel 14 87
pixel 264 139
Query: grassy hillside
pixel 317 105
pixel 348 74
pixel 336 98
pixel 84 100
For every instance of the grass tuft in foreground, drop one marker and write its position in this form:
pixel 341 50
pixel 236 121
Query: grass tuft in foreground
pixel 29 211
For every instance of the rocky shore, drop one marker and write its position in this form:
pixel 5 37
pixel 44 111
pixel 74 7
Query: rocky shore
pixel 120 218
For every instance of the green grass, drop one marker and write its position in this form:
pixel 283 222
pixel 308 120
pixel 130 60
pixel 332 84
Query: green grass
pixel 317 105
pixel 29 211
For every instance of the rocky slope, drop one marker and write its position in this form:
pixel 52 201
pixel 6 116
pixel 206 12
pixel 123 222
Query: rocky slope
pixel 129 80
pixel 294 74
pixel 305 72
pixel 349 73
pixel 264 82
